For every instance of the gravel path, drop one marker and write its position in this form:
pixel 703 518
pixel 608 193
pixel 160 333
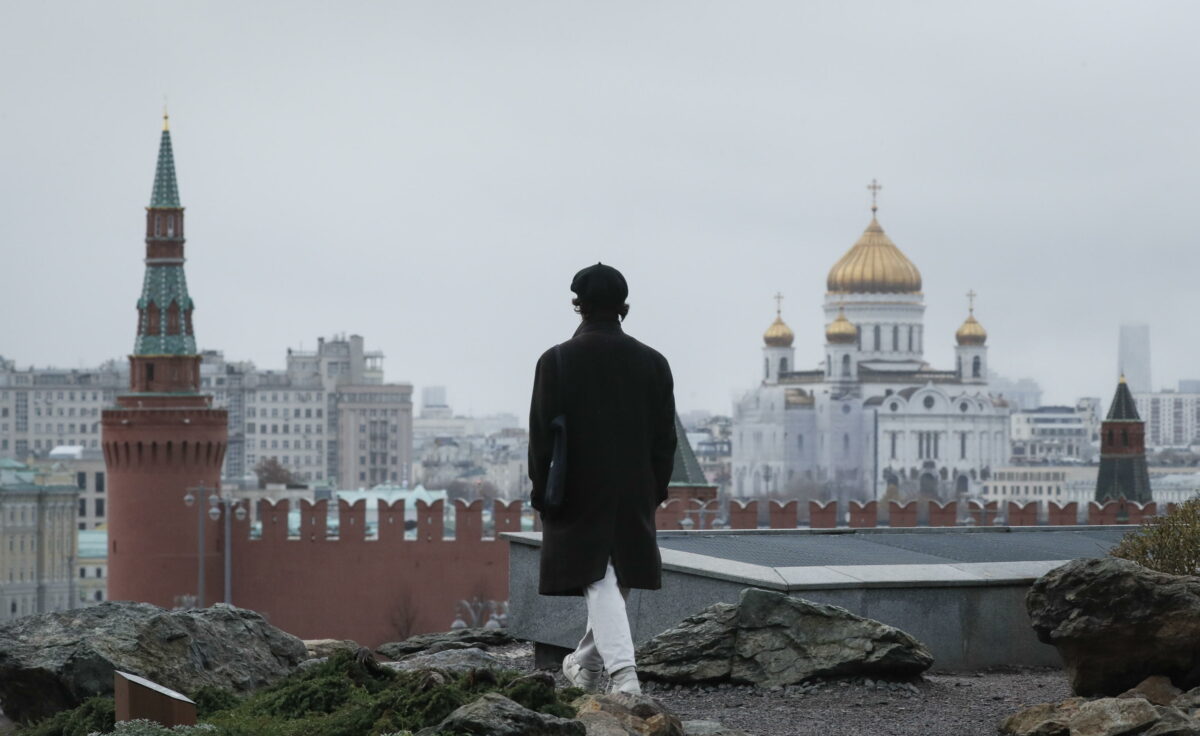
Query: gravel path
pixel 959 704
pixel 943 705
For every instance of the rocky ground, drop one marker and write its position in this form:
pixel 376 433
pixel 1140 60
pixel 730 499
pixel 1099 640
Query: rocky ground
pixel 967 704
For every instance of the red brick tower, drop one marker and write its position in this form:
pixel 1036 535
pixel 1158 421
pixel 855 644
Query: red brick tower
pixel 163 436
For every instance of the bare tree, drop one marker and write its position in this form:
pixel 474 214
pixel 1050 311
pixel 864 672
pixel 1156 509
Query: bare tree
pixel 269 470
pixel 403 615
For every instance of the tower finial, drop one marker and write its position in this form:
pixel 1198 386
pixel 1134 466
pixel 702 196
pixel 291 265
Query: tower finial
pixel 874 188
pixel 166 118
pixel 971 301
pixel 778 304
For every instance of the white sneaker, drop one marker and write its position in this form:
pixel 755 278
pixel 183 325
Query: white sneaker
pixel 579 676
pixel 625 680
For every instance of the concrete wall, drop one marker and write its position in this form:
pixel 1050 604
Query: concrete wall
pixel 966 627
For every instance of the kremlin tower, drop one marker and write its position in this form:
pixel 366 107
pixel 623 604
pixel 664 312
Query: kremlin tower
pixel 1123 472
pixel 163 437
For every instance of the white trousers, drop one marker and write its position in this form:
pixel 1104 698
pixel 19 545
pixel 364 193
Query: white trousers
pixel 607 643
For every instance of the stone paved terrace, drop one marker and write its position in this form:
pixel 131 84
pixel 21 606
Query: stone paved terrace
pixel 960 590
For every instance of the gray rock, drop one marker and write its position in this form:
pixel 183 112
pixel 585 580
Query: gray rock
pixel 54 661
pixel 458 639
pixel 626 715
pixel 495 715
pixel 325 648
pixel 1102 717
pixel 1112 717
pixel 1115 623
pixel 772 639
pixel 1157 689
pixel 1173 722
pixel 449 660
pixel 697 649
pixel 1190 699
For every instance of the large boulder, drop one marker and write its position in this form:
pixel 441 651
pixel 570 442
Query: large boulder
pixel 626 715
pixel 53 661
pixel 1080 717
pixel 495 715
pixel 1115 623
pixel 478 638
pixel 769 639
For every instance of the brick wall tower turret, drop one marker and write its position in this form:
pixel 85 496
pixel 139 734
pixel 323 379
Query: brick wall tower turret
pixel 163 436
pixel 1123 470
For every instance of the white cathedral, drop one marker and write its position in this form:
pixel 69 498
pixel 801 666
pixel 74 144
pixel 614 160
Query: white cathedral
pixel 874 421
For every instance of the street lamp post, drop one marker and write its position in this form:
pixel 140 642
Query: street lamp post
pixel 238 509
pixel 215 502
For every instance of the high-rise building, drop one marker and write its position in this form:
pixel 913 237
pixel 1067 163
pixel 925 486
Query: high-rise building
pixel 1172 418
pixel 1133 357
pixel 163 436
pixel 1123 472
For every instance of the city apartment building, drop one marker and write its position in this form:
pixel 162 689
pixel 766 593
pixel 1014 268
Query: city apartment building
pixel 37 541
pixel 328 417
pixel 1054 434
pixel 1172 417
pixel 44 408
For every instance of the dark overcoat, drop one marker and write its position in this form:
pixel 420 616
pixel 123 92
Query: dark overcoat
pixel 619 402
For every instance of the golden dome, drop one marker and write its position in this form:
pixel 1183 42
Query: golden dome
pixel 779 335
pixel 874 266
pixel 840 331
pixel 971 332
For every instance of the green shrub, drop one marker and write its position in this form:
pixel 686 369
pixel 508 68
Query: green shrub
pixel 93 715
pixel 340 697
pixel 142 727
pixel 210 699
pixel 1169 543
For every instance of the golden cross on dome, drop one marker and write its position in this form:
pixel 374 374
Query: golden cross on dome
pixel 874 188
pixel 971 300
pixel 778 304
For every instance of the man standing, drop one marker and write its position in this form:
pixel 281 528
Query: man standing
pixel 617 396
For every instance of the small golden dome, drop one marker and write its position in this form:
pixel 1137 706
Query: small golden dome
pixel 971 332
pixel 874 265
pixel 779 335
pixel 840 331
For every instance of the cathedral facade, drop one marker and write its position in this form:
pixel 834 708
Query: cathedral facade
pixel 873 420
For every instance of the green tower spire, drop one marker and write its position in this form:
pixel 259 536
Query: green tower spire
pixel 165 308
pixel 166 191
pixel 687 470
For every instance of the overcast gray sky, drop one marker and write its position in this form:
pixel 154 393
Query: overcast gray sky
pixel 430 175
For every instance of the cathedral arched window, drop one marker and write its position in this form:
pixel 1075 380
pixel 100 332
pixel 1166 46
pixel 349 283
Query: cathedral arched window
pixel 878 340
pixel 846 444
pixel 960 367
pixel 845 366
pixel 910 338
pixel 766 367
pixel 783 366
pixel 170 226
pixel 896 338
pixel 977 367
pixel 800 442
